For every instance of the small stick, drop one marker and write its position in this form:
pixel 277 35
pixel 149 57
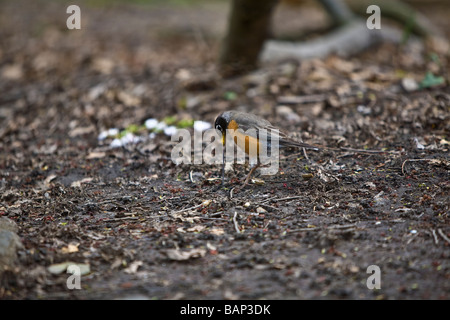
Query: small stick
pixel 218 213
pixel 302 99
pixel 436 241
pixel 187 209
pixel 236 226
pixel 304 229
pixel 231 193
pixel 216 219
pixel 283 199
pixel 361 150
pixel 441 233
pixel 410 160
pixel 120 219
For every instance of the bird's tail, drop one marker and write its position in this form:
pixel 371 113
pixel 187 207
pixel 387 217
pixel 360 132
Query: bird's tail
pixel 296 144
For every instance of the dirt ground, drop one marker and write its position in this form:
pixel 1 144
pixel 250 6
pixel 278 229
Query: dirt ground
pixel 147 228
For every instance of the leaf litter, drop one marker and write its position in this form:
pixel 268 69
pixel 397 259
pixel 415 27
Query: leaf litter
pixel 131 219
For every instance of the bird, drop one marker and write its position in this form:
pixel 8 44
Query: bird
pixel 245 129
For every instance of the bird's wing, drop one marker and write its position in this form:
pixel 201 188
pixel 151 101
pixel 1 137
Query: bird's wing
pixel 272 133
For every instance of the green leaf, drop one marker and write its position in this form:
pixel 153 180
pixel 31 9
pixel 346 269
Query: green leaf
pixel 431 80
pixel 230 95
pixel 170 120
pixel 185 123
pixel 133 128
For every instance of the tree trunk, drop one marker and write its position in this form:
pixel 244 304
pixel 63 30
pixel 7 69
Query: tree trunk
pixel 248 28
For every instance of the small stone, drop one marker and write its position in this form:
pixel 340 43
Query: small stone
pixel 9 243
pixel 261 210
pixel 409 84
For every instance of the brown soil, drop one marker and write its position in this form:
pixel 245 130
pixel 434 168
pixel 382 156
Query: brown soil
pixel 148 228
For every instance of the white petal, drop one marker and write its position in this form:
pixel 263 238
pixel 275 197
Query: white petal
pixel 171 130
pixel 116 143
pixel 151 123
pixel 201 125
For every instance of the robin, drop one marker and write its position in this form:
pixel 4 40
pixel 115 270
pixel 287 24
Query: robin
pixel 245 129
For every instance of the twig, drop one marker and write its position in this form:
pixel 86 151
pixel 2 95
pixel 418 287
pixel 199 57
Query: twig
pixel 333 227
pixel 283 199
pixel 268 206
pixel 343 226
pixel 231 193
pixel 411 160
pixel 120 219
pixel 412 238
pixel 441 233
pixel 236 226
pixel 304 229
pixel 361 150
pixel 302 99
pixel 218 213
pixel 187 209
pixel 433 232
pixel 216 219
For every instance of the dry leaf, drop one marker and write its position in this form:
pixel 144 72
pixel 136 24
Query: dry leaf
pixel 132 269
pixel 79 131
pixel 128 99
pixel 178 255
pixel 79 182
pixel 49 179
pixel 96 155
pixel 70 248
pixel 217 231
pixel 59 268
pixel 196 228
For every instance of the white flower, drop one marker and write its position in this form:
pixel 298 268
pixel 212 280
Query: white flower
pixel 151 123
pixel 201 125
pixel 130 138
pixel 126 139
pixel 112 132
pixel 103 135
pixel 170 130
pixel 116 143
pixel 108 133
pixel 160 126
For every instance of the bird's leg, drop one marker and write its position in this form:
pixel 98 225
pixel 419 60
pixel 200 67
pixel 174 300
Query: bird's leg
pixel 256 166
pixel 223 166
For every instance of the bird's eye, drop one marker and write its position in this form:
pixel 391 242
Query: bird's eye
pixel 219 127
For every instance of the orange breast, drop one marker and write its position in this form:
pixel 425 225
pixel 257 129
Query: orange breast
pixel 247 143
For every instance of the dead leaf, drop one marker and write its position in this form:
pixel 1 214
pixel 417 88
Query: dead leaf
pixel 12 72
pixel 79 131
pixel 196 228
pixel 258 182
pixel 49 179
pixel 128 99
pixel 70 248
pixel 217 231
pixel 96 155
pixel 178 255
pixel 132 269
pixel 78 183
pixel 103 65
pixel 59 268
